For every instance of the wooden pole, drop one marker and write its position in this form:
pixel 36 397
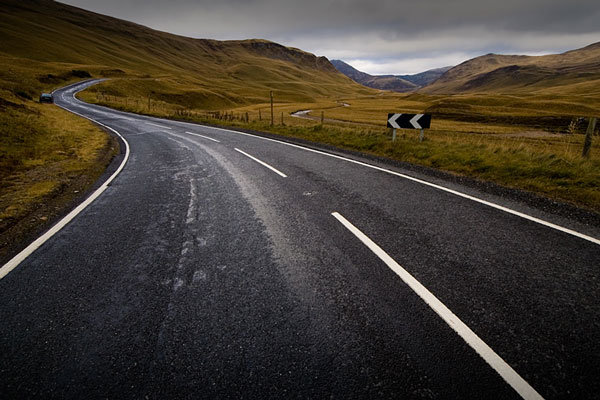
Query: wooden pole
pixel 272 108
pixel 587 144
pixel 259 115
pixel 282 118
pixel 322 117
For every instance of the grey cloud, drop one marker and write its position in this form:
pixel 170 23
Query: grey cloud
pixel 403 17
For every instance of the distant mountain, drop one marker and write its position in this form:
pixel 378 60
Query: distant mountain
pixel 382 82
pixel 573 72
pixel 425 78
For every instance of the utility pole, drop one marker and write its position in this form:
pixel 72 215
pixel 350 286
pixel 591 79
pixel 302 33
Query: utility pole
pixel 271 108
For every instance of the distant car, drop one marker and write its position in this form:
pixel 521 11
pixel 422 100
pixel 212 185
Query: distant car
pixel 46 98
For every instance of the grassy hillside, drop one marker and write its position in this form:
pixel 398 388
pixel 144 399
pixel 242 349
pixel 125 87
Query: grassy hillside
pixel 41 37
pixel 575 72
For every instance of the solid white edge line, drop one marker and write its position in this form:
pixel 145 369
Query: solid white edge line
pixel 433 185
pixel 16 260
pixel 494 360
pixel 202 136
pixel 264 164
pixel 158 126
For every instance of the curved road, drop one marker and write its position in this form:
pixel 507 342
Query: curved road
pixel 220 264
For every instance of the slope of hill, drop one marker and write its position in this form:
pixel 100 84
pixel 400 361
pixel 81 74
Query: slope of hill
pixel 383 82
pixel 44 41
pixel 573 72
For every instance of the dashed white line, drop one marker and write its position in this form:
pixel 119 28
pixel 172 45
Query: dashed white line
pixel 202 136
pixel 422 182
pixel 485 351
pixel 159 126
pixel 264 164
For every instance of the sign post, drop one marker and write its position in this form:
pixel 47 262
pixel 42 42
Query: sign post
pixel 409 121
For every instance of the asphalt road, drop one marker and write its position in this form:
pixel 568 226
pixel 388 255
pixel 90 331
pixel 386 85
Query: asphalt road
pixel 202 273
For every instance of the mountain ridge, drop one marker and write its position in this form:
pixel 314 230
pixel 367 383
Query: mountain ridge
pixel 396 83
pixel 519 73
pixel 381 82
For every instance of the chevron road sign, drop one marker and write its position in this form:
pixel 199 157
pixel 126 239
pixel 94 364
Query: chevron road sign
pixel 409 121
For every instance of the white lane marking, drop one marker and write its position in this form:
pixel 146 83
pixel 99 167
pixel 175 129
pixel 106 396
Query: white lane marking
pixel 159 126
pixel 433 185
pixel 202 136
pixel 16 260
pixel 264 164
pixel 485 351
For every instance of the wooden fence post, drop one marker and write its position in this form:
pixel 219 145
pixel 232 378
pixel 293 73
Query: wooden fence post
pixel 272 120
pixel 587 144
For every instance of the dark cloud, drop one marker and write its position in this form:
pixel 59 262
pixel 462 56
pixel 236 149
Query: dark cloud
pixel 376 33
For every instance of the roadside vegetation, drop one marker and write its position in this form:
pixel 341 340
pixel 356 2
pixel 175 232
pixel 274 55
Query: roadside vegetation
pixel 48 157
pixel 529 143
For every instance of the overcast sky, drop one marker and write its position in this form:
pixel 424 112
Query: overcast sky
pixel 377 36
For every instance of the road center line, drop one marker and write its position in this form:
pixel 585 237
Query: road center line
pixel 159 126
pixel 422 182
pixel 202 136
pixel 264 164
pixel 485 351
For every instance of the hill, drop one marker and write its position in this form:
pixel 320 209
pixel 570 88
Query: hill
pixel 574 72
pixel 425 78
pixel 43 42
pixel 382 82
